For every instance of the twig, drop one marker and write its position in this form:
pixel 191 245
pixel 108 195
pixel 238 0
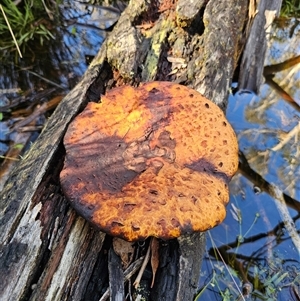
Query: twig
pixel 287 138
pixel 47 80
pixel 281 92
pixel 258 180
pixel 48 11
pixel 140 274
pixel 37 112
pixel 9 158
pixel 289 224
pixel 281 66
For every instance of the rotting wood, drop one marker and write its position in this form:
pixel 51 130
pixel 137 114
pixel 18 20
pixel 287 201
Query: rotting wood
pixel 116 286
pixel 128 273
pixel 252 65
pixel 47 251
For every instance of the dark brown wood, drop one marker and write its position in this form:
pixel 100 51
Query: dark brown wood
pixel 116 275
pixel 47 251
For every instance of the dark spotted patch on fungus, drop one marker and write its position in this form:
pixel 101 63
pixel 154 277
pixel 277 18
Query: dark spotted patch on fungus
pixel 144 162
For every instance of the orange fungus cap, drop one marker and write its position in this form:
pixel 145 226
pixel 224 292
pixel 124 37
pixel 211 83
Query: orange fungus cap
pixel 150 161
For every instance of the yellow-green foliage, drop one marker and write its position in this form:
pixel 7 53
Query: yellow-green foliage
pixel 27 21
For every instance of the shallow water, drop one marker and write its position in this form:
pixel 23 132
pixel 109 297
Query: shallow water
pixel 260 235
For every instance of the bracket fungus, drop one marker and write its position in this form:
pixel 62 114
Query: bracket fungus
pixel 150 161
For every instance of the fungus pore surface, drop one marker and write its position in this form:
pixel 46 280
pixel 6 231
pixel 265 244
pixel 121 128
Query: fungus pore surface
pixel 150 161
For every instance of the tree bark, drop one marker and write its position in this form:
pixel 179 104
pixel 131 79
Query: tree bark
pixel 48 252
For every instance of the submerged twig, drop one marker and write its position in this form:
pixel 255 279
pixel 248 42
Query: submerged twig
pixel 264 185
pixel 289 224
pixel 37 112
pixel 47 80
pixel 287 138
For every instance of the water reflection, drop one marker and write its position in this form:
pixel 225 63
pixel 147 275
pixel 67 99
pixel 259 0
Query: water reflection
pixel 259 240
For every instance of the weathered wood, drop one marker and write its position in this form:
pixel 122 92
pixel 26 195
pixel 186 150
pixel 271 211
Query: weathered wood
pixel 116 275
pixel 189 248
pixel 47 251
pixel 35 218
pixel 252 65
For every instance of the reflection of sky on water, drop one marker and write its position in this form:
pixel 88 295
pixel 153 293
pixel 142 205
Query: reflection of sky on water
pixel 261 123
pixel 79 34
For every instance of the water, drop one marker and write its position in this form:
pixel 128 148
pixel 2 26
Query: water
pixel 259 238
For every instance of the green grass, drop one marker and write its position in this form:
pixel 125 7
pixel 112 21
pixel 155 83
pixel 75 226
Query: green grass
pixel 28 21
pixel 290 8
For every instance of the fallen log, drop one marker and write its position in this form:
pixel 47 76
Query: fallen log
pixel 48 252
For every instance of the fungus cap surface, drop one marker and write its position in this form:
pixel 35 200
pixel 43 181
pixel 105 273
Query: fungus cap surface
pixel 150 161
